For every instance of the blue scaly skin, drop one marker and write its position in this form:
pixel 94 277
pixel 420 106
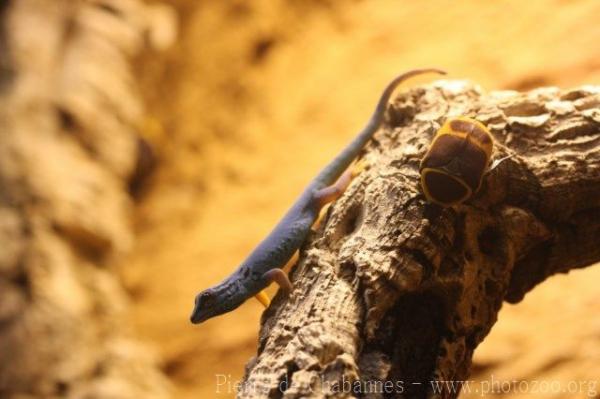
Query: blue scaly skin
pixel 257 271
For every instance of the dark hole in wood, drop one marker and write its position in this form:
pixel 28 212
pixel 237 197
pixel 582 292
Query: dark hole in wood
pixel 489 240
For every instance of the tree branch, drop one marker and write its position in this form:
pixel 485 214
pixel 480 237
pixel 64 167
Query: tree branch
pixel 393 292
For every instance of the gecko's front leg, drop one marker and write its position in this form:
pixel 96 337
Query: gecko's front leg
pixel 280 277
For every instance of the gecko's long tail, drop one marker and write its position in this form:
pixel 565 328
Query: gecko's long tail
pixel 336 167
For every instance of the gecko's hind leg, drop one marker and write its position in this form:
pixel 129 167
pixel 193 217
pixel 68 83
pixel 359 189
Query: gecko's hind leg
pixel 333 192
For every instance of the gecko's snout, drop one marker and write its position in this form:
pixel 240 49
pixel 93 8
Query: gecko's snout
pixel 195 317
pixel 203 307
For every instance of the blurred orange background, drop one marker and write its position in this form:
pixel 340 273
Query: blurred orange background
pixel 255 97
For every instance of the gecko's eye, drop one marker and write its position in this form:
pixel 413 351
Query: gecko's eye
pixel 206 298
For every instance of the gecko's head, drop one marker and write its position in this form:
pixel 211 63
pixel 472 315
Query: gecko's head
pixel 206 305
pixel 215 301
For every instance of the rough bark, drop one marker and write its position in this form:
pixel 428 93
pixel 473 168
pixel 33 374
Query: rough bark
pixel 392 292
pixel 69 147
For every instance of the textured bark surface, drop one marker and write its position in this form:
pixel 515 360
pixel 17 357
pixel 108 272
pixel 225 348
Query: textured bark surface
pixel 394 292
pixel 68 150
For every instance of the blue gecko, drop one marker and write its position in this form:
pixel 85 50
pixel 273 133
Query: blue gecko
pixel 264 264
